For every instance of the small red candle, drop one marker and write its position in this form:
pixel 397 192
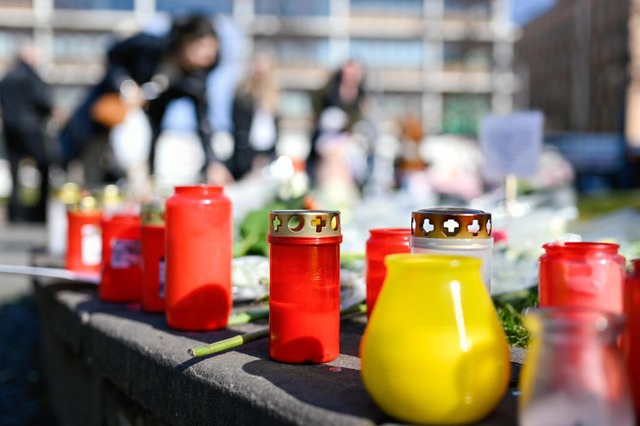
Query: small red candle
pixel 84 243
pixel 382 242
pixel 632 334
pixel 153 262
pixel 304 299
pixel 583 274
pixel 121 273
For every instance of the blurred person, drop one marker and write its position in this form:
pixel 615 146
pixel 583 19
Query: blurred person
pixel 337 106
pixel 148 71
pixel 221 87
pixel 254 114
pixel 26 104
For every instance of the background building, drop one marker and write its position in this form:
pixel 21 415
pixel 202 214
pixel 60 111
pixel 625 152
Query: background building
pixel 448 61
pixel 573 62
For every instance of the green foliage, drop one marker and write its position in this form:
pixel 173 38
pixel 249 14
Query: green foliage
pixel 510 308
pixel 255 227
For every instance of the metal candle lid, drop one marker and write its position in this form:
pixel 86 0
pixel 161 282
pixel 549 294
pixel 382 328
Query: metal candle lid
pixel 87 203
pixel 152 213
pixel 69 193
pixel 451 222
pixel 304 223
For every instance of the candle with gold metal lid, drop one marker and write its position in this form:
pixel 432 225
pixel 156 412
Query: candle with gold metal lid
pixel 304 300
pixel 454 231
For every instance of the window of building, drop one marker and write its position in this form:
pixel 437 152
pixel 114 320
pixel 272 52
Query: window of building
pixel 378 53
pixel 295 104
pixel 202 6
pixel 296 51
pixel 461 113
pixel 18 3
pixel 80 47
pixel 397 105
pixel 94 4
pixel 288 8
pixel 394 7
pixel 460 9
pixel 467 56
pixel 9 43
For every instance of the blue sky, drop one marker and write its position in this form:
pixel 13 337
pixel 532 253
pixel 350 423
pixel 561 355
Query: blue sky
pixel 522 11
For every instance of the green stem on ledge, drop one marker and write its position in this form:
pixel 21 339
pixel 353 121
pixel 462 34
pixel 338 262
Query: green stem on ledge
pixel 235 341
pixel 229 343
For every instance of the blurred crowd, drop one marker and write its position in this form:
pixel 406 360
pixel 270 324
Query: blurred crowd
pixel 179 103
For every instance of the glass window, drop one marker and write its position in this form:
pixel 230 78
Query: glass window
pixel 467 8
pixel 94 4
pixel 295 104
pixel 399 104
pixel 467 56
pixel 18 3
pixel 80 47
pixel 412 7
pixel 296 50
pixel 378 53
pixel 201 6
pixel 461 113
pixel 292 8
pixel 9 41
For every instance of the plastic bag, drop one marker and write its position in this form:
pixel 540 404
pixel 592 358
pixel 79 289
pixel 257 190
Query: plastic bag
pixel 131 139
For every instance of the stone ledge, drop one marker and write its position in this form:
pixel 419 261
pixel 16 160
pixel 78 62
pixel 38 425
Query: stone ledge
pixel 112 364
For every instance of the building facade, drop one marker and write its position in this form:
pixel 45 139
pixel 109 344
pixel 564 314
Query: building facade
pixel 447 61
pixel 573 63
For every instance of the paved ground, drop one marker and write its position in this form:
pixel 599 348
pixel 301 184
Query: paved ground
pixel 23 399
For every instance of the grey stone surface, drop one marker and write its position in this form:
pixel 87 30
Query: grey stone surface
pixel 129 363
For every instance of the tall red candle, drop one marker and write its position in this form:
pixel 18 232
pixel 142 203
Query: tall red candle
pixel 304 296
pixel 199 239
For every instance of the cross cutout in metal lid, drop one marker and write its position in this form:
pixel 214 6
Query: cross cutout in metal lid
pixel 474 228
pixel 276 223
pixel 427 226
pixel 451 226
pixel 489 227
pixel 319 223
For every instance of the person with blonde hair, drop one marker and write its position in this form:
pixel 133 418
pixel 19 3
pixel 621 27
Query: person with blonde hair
pixel 254 114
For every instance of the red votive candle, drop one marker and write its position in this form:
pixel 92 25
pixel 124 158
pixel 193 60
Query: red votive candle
pixel 382 242
pixel 153 263
pixel 304 296
pixel 632 333
pixel 84 241
pixel 199 239
pixel 584 274
pixel 121 274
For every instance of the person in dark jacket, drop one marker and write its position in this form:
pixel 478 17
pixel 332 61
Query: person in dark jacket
pixel 150 71
pixel 26 104
pixel 337 106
